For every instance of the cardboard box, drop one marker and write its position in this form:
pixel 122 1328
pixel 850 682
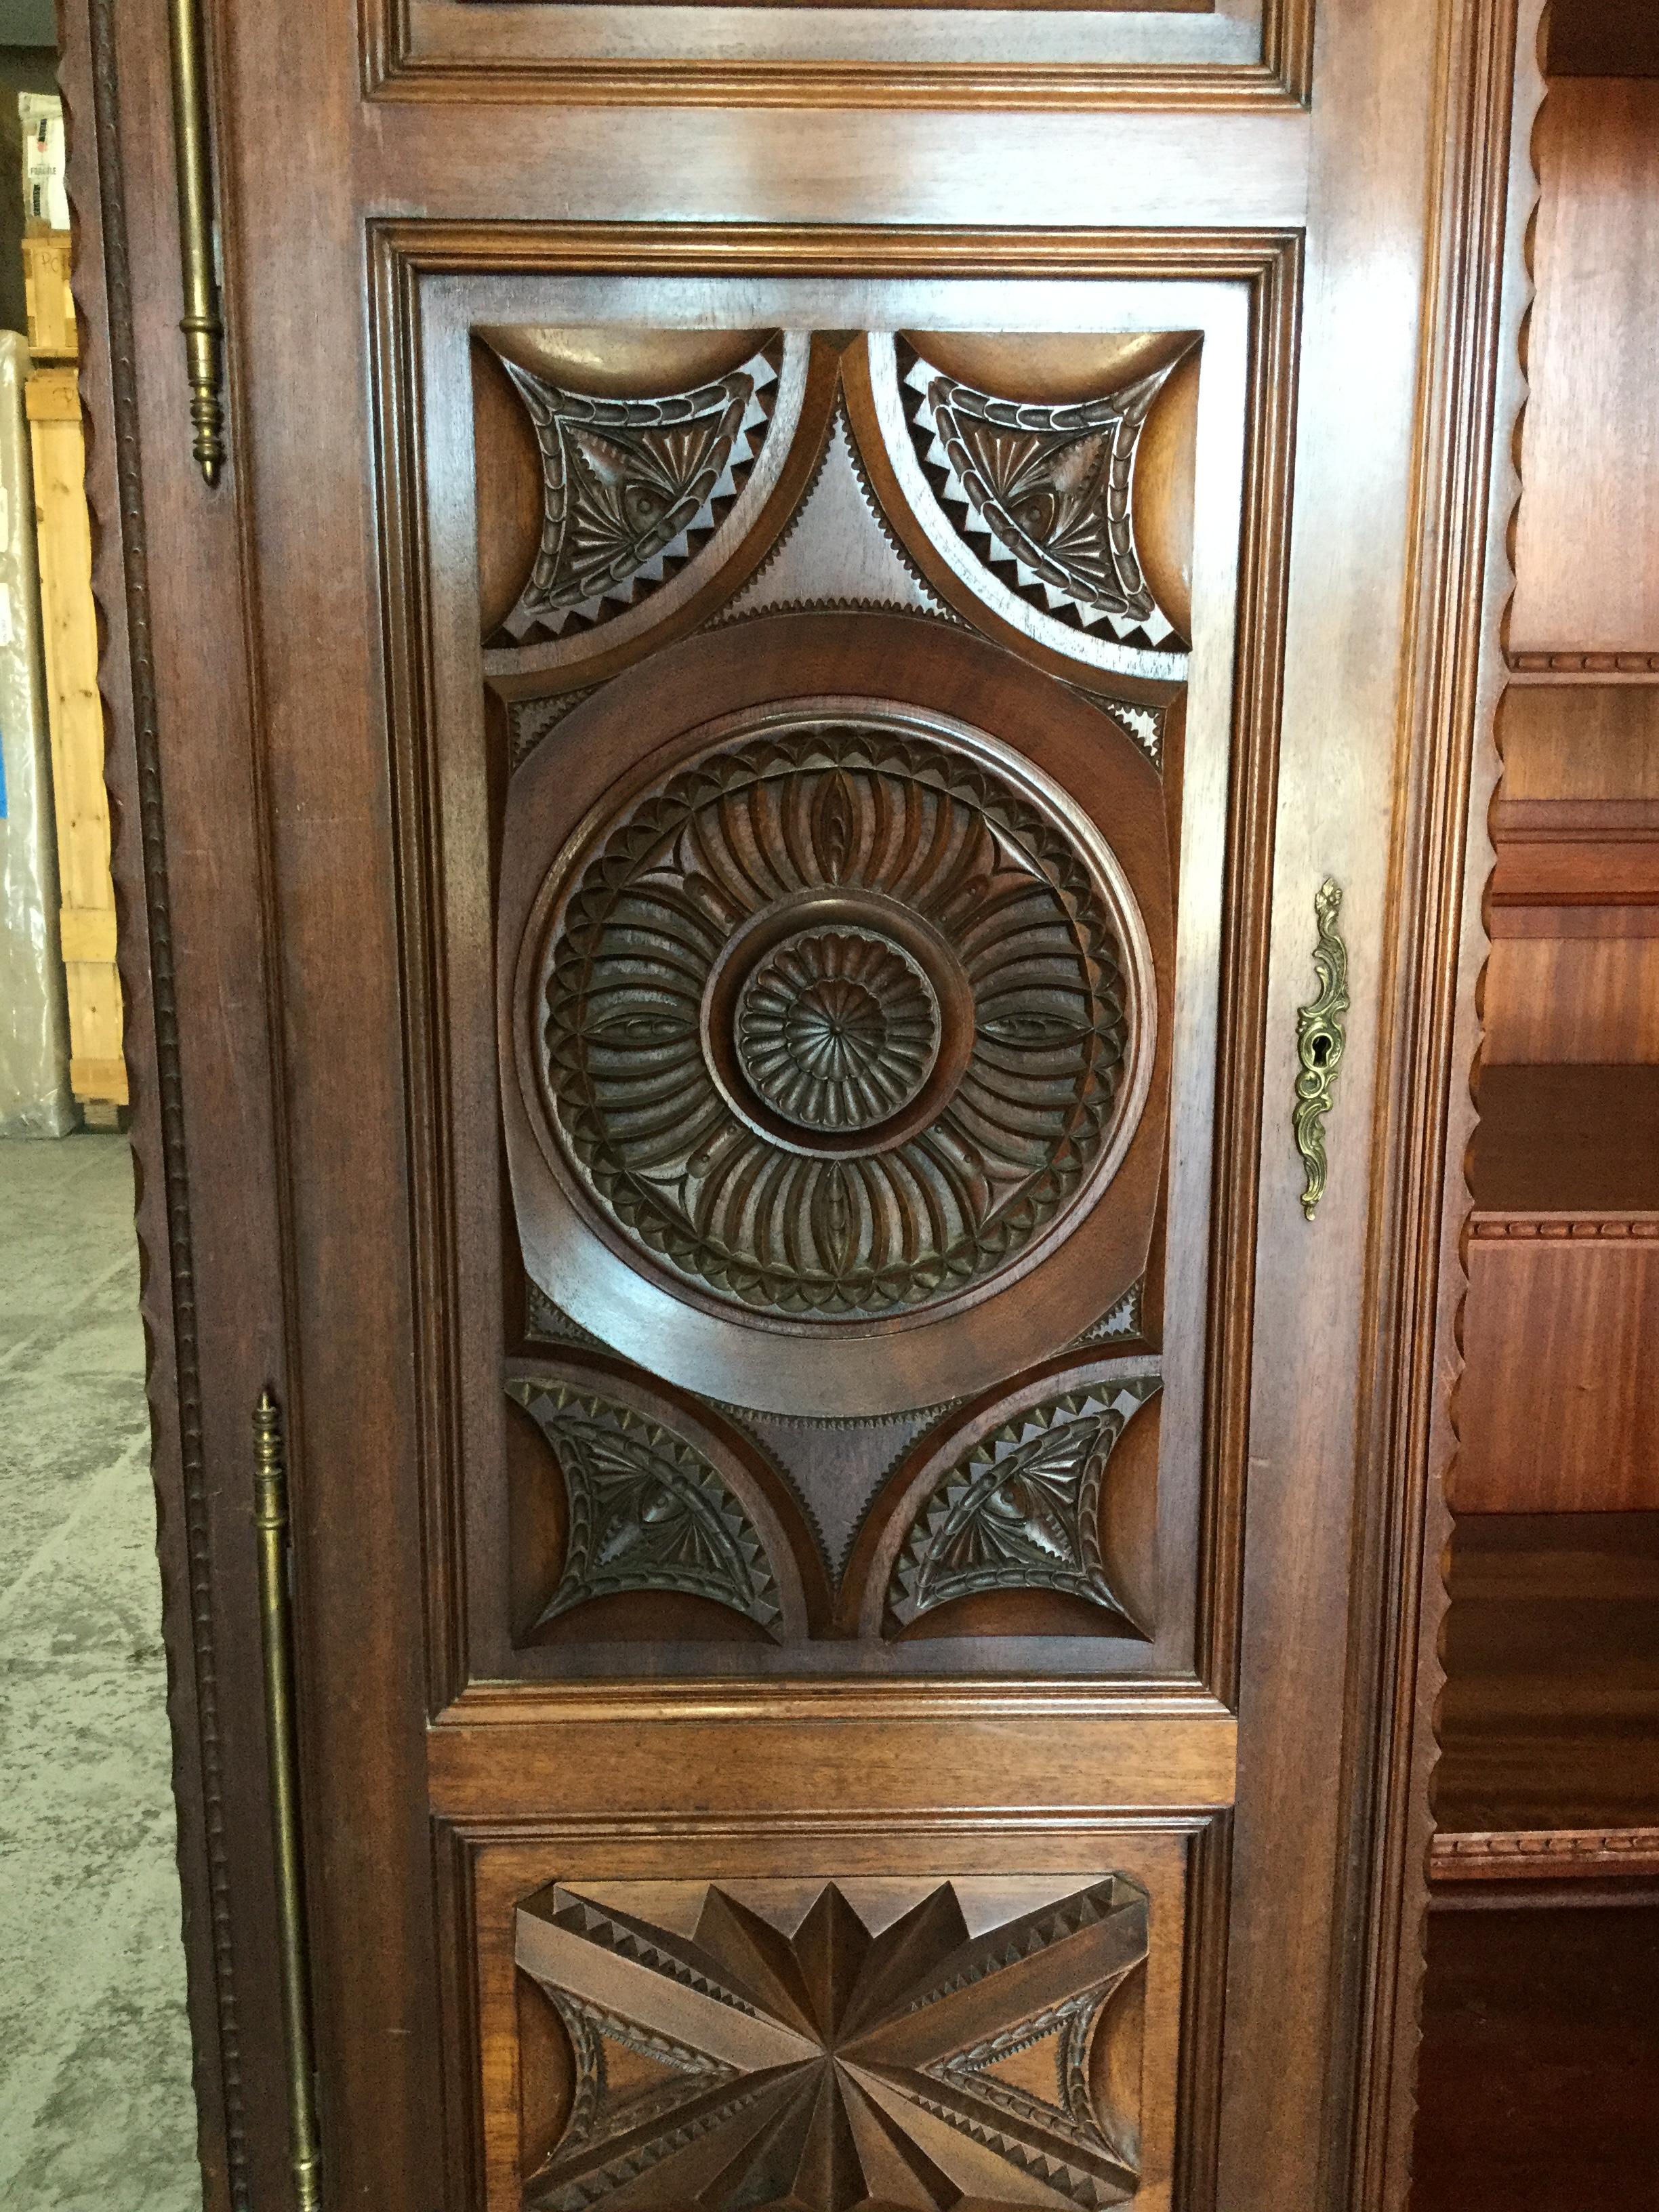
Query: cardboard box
pixel 45 199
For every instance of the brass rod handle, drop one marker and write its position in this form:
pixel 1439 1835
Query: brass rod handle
pixel 202 329
pixel 1320 1037
pixel 276 1632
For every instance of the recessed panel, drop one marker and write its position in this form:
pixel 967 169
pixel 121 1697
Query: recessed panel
pixel 911 53
pixel 851 707
pixel 922 2029
pixel 836 961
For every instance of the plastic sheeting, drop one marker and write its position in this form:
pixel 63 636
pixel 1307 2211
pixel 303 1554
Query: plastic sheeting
pixel 34 1094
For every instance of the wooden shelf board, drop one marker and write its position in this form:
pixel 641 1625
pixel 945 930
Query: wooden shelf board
pixel 1550 1716
pixel 1545 1854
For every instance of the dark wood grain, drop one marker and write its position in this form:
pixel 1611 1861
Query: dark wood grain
pixel 1586 1000
pixel 189 865
pixel 1586 579
pixel 1577 743
pixel 1572 1138
pixel 1573 903
pixel 1255 55
pixel 1539 2053
pixel 1558 1393
pixel 1603 37
pixel 1551 1712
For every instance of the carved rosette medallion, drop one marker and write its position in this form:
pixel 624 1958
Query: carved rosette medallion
pixel 844 1017
pixel 827 2046
pixel 837 1029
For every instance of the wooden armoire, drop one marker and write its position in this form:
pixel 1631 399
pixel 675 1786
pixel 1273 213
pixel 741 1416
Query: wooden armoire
pixel 800 703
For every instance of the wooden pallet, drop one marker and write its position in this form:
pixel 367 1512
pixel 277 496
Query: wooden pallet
pixel 98 1074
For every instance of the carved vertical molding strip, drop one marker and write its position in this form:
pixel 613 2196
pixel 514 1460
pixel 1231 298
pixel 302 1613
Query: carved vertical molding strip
pixel 1460 585
pixel 168 1103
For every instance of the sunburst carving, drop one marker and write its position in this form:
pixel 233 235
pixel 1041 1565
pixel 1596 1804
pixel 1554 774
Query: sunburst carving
pixel 632 487
pixel 837 1029
pixel 1121 1323
pixel 834 2048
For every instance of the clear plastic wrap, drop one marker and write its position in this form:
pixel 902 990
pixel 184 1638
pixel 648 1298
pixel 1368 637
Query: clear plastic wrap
pixel 34 1094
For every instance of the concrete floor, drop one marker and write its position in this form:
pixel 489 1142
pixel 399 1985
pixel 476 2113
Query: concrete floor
pixel 96 2113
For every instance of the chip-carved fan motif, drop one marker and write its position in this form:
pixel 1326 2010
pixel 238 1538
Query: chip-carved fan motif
pixel 823 1153
pixel 1022 1510
pixel 811 2052
pixel 1041 493
pixel 632 487
pixel 646 1510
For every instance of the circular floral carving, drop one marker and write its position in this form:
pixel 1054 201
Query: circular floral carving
pixel 837 1029
pixel 835 1021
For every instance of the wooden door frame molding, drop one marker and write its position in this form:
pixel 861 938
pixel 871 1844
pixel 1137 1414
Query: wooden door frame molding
pixel 1469 392
pixel 402 254
pixel 399 63
pixel 205 1101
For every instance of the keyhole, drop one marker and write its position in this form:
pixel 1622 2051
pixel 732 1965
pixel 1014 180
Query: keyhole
pixel 1320 1051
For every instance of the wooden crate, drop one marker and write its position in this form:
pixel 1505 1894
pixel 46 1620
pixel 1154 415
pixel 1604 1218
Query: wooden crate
pixel 98 1074
pixel 47 298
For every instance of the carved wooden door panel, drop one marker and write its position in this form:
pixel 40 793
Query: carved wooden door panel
pixel 826 668
pixel 854 732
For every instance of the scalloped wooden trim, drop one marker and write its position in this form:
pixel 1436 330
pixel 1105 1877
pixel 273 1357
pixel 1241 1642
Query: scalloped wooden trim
pixel 168 1297
pixel 1462 579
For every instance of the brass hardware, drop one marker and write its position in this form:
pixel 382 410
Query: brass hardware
pixel 270 1519
pixel 203 331
pixel 1319 1041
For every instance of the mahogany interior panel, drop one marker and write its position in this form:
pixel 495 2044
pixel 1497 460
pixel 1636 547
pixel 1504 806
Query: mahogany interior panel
pixel 1587 544
pixel 1550 1716
pixel 1575 1138
pixel 1603 37
pixel 1560 1404
pixel 1573 904
pixel 1587 744
pixel 1576 821
pixel 1541 2048
pixel 1574 998
pixel 1559 1398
